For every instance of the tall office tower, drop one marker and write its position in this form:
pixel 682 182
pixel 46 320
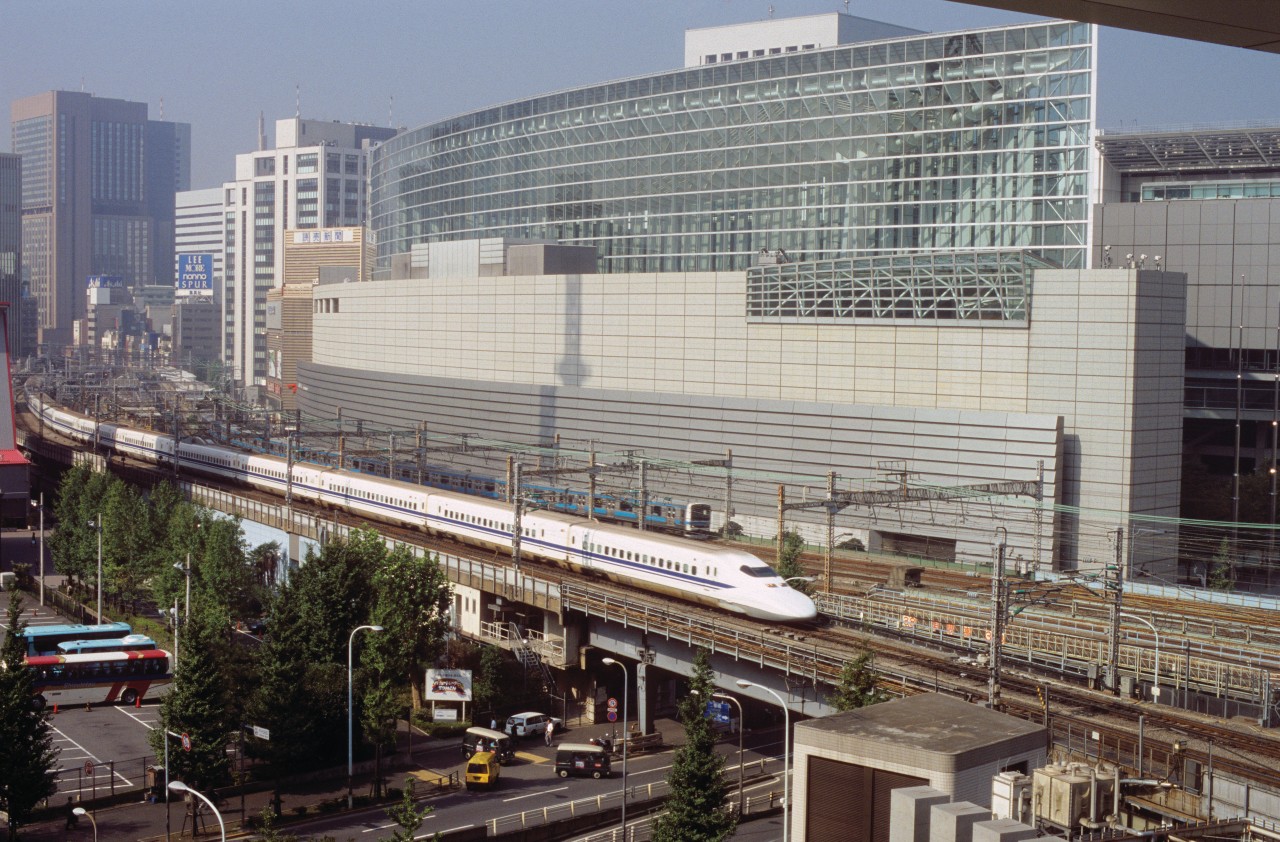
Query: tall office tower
pixel 98 180
pixel 11 246
pixel 313 179
pixel 200 229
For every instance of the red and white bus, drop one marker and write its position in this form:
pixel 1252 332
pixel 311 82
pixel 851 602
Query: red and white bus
pixel 97 677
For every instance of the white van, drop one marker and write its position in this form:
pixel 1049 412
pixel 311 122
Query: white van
pixel 530 723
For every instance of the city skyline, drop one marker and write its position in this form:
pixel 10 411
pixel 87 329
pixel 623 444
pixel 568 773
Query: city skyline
pixel 211 70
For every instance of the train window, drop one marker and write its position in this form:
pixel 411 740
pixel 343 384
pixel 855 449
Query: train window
pixel 758 572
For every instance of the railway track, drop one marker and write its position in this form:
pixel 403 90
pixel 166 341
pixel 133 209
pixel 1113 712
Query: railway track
pixel 819 654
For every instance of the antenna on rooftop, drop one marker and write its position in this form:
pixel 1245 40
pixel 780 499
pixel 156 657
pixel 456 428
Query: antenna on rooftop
pixel 846 7
pixel 391 101
pixel 161 108
pixel 770 11
pixel 262 132
pixel 297 100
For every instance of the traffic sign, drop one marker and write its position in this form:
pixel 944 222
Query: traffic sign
pixel 613 703
pixel 186 741
pixel 88 768
pixel 613 716
pixel 717 712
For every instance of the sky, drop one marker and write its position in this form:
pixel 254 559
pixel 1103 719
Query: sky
pixel 217 64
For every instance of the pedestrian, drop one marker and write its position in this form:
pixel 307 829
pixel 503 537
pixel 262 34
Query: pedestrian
pixel 71 815
pixel 551 728
pixel 493 724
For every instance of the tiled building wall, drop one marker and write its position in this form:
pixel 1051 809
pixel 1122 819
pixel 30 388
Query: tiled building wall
pixel 667 362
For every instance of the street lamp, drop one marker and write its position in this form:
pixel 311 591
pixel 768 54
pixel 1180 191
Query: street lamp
pixel 350 740
pixel 1155 678
pixel 80 811
pixel 741 769
pixel 40 506
pixel 786 754
pixel 625 681
pixel 96 525
pixel 179 786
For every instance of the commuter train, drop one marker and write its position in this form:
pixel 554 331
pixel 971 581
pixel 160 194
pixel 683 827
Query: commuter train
pixel 709 574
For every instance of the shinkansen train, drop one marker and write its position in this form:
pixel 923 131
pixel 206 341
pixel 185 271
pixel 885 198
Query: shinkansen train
pixel 709 574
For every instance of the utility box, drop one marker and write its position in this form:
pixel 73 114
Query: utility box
pixel 1011 796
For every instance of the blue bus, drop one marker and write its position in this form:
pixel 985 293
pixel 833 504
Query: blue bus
pixel 128 643
pixel 44 640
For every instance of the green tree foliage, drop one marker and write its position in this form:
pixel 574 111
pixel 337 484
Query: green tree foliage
pixel 74 544
pixel 28 760
pixel 788 565
pixel 1220 569
pixel 413 596
pixel 696 810
pixel 198 704
pixel 489 679
pixel 408 816
pixel 857 687
pixel 125 542
pixel 302 694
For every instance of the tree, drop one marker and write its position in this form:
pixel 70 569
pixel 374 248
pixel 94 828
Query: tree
pixel 413 596
pixel 857 687
pixel 198 704
pixel 1220 572
pixel 788 565
pixel 302 694
pixel 74 544
pixel 696 810
pixel 407 816
pixel 28 770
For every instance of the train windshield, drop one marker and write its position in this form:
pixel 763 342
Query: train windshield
pixel 762 572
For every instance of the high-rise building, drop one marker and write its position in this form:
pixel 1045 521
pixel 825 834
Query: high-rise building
pixel 98 180
pixel 11 247
pixel 200 229
pixel 313 179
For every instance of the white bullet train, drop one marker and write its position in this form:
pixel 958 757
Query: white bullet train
pixel 709 574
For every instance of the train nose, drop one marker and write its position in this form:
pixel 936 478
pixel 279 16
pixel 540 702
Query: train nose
pixel 790 605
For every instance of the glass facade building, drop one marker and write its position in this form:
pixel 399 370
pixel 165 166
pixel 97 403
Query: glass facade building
pixel 938 142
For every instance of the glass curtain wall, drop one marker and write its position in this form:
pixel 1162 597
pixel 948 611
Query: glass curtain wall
pixel 941 142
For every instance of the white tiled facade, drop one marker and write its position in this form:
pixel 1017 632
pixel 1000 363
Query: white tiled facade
pixel 1091 389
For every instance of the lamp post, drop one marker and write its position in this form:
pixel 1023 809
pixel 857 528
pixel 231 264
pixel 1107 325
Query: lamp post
pixel 179 786
pixel 1155 678
pixel 39 505
pixel 741 763
pixel 80 811
pixel 96 524
pixel 786 755
pixel 741 769
pixel 350 739
pixel 625 681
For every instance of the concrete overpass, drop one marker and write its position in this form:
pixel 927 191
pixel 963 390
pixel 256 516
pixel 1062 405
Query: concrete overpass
pixel 1251 24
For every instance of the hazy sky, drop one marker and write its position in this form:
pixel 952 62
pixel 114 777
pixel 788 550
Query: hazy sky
pixel 217 64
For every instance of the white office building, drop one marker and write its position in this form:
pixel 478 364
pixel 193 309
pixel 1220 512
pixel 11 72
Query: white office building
pixel 313 178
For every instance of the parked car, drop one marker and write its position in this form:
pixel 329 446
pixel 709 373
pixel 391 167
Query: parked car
pixel 530 723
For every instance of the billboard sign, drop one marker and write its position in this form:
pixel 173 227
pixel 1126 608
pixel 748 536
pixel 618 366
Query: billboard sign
pixel 448 685
pixel 195 276
pixel 106 282
pixel 325 235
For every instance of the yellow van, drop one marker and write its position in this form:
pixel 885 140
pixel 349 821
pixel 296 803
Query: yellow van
pixel 483 770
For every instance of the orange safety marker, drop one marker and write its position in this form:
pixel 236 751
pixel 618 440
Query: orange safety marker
pixel 55 708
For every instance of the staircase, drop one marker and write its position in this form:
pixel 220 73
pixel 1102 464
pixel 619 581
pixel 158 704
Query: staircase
pixel 530 660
